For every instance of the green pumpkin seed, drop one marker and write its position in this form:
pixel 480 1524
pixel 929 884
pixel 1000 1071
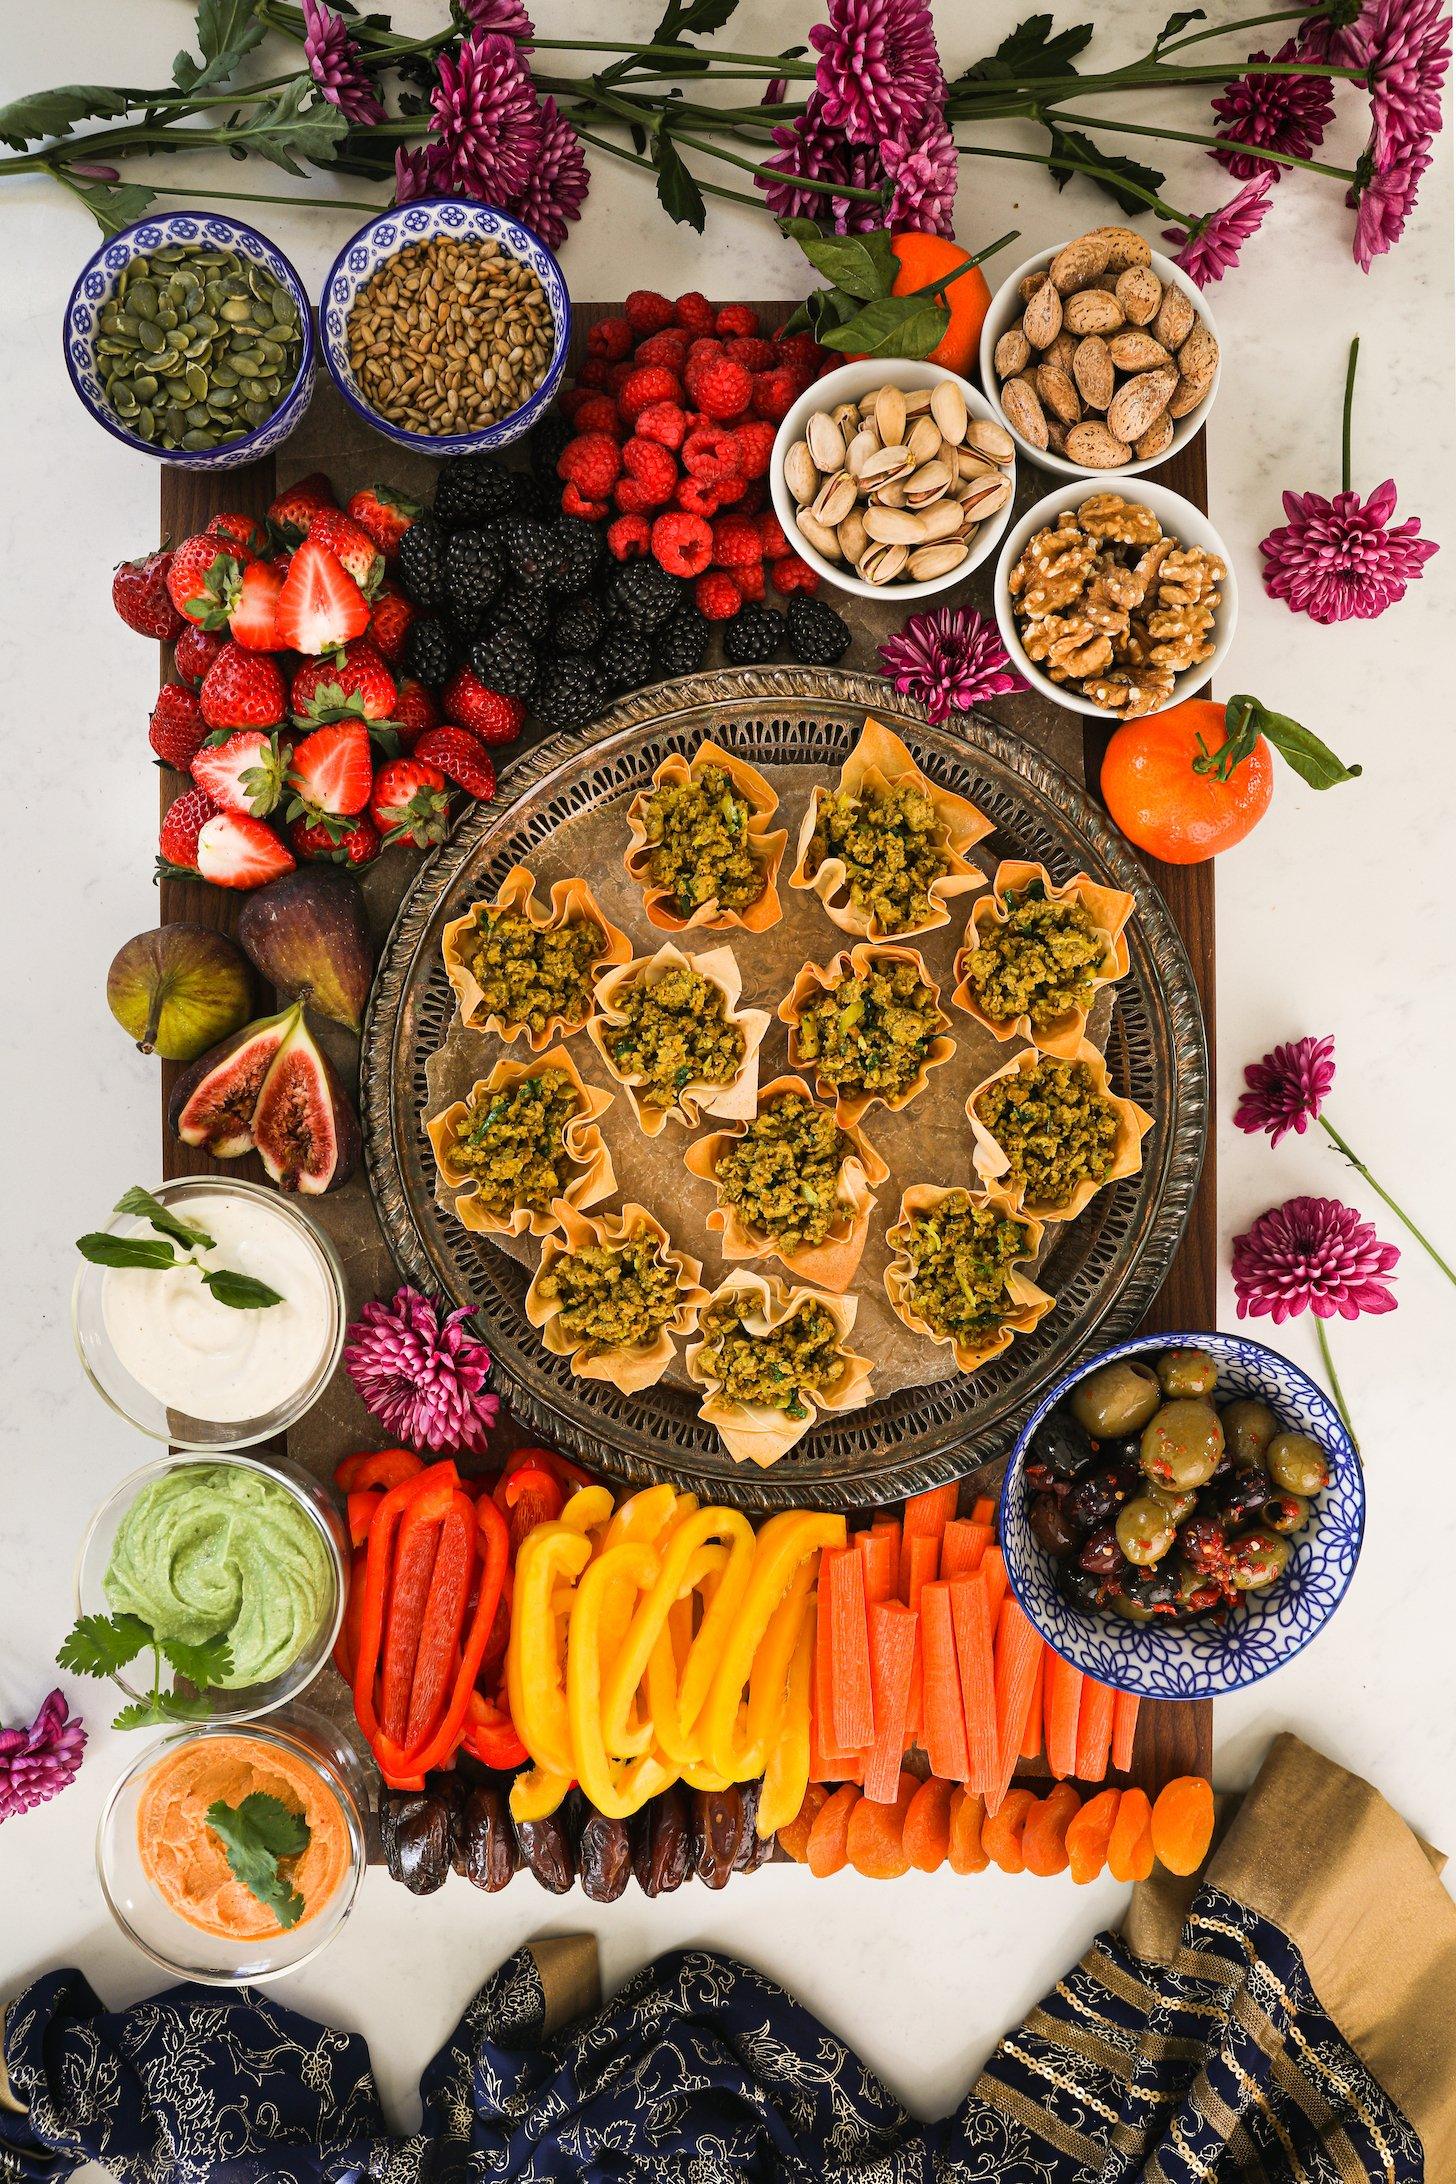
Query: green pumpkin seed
pixel 149 334
pixel 144 385
pixel 222 398
pixel 235 311
pixel 198 439
pixel 223 375
pixel 254 390
pixel 191 342
pixel 122 398
pixel 141 298
pixel 258 413
pixel 169 254
pixel 146 423
pixel 196 379
pixel 205 327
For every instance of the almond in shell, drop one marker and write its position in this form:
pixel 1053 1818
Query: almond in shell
pixel 1198 358
pixel 1093 372
pixel 1135 350
pixel 1095 448
pixel 1079 262
pixel 1013 353
pixel 1023 409
pixel 1062 350
pixel 1138 401
pixel 1124 248
pixel 1092 311
pixel 1042 320
pixel 1174 319
pixel 1156 440
pixel 1140 292
pixel 1058 394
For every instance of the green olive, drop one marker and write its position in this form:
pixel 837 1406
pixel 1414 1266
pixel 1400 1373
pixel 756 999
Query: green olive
pixel 1145 1530
pixel 1131 1611
pixel 1179 1505
pixel 1297 1463
pixel 1116 1399
pixel 1249 1426
pixel 1286 1513
pixel 1182 1445
pixel 1190 1581
pixel 1257 1559
pixel 1187 1372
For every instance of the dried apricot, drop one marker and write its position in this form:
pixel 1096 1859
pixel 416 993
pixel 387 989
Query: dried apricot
pixel 875 1836
pixel 1182 1823
pixel 927 1825
pixel 794 1839
pixel 1130 1845
pixel 1089 1835
pixel 1044 1836
pixel 1002 1831
pixel 967 1815
pixel 828 1846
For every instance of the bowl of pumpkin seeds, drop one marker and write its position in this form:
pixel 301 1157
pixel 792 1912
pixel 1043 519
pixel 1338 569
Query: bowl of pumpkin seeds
pixel 190 337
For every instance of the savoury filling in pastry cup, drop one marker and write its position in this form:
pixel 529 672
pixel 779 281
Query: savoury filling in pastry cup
pixel 764 848
pixel 1024 1302
pixel 626 1365
pixel 572 903
pixel 760 1433
pixel 1107 910
pixel 696 1095
pixel 580 1140
pixel 993 1162
pixel 816 980
pixel 880 762
pixel 832 1263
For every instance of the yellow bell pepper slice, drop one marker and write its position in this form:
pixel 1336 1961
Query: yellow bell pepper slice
pixel 641 1516
pixel 535 1680
pixel 589 1508
pixel 768 1679
pixel 536 1793
pixel 784 1543
pixel 678 1549
pixel 616 1789
pixel 786 1770
pixel 715 1631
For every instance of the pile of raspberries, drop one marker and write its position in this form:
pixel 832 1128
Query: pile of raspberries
pixel 673 418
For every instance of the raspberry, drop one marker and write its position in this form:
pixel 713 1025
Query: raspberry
pixel 695 312
pixel 755 437
pixel 663 422
pixel 628 538
pixel 711 454
pixel 682 543
pixel 576 504
pixel 721 388
pixel 618 374
pixel 574 401
pixel 592 463
pixel 598 413
pixel 772 542
pixel 648 383
pixel 754 355
pixel 718 597
pixel 696 498
pixel 653 468
pixel 775 392
pixel 750 580
pixel 736 542
pixel 611 338
pixel 593 373
pixel 669 347
pixel 800 351
pixel 633 498
pixel 736 318
pixel 789 574
pixel 647 311
pixel 704 349
pixel 752 497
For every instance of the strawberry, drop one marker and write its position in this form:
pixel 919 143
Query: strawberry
pixel 195 652
pixel 243 690
pixel 291 512
pixel 178 730
pixel 236 851
pixel 336 841
pixel 332 772
pixel 320 606
pixel 411 804
pixel 389 625
pixel 385 514
pixel 203 570
pixel 350 544
pixel 472 704
pixel 182 823
pixel 415 711
pixel 140 595
pixel 461 758
pixel 242 772
pixel 253 622
pixel 354 686
pixel 240 531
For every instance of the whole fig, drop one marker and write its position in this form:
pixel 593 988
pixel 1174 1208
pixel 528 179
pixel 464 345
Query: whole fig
pixel 308 934
pixel 179 989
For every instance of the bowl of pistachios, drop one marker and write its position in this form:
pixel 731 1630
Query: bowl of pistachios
pixel 190 337
pixel 893 477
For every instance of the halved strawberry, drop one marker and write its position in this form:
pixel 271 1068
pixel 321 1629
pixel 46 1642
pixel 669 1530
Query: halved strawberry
pixel 291 512
pixel 177 729
pixel 354 686
pixel 203 570
pixel 411 804
pixel 253 622
pixel 244 531
pixel 386 514
pixel 242 772
pixel 350 544
pixel 243 690
pixel 320 606
pixel 461 759
pixel 336 841
pixel 390 622
pixel 196 649
pixel 236 851
pixel 415 710
pixel 332 772
pixel 185 818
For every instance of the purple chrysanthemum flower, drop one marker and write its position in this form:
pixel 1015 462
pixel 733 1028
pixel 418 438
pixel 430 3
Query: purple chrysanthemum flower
pixel 812 147
pixel 879 70
pixel 1320 34
pixel 1384 197
pixel 1287 113
pixel 1213 244
pixel 414 174
pixel 421 1374
pixel 1312 1254
pixel 37 1761
pixel 1287 1089
pixel 1405 48
pixel 1340 560
pixel 951 659
pixel 923 172
pixel 559 180
pixel 507 18
pixel 336 66
pixel 485 121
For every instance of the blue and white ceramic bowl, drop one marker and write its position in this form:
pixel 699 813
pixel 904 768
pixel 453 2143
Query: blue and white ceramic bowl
pixel 381 239
pixel 99 276
pixel 1205 1659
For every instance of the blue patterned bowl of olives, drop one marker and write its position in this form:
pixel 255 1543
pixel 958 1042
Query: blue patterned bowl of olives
pixel 1182 1514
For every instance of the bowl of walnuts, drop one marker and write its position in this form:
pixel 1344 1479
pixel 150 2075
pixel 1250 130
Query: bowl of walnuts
pixel 1115 603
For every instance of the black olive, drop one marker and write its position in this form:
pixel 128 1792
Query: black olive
pixel 1096 1499
pixel 1125 1449
pixel 1063 1445
pixel 1242 1497
pixel 1203 1542
pixel 1040 1478
pixel 1103 1556
pixel 1155 1586
pixel 1051 1527
pixel 1079 1588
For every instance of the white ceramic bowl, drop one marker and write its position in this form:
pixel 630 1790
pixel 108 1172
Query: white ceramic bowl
pixel 1179 517
pixel 1006 308
pixel 848 384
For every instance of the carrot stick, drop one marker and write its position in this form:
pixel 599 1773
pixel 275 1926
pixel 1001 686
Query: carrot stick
pixel 996 1580
pixel 945 1721
pixel 926 1517
pixel 924 1556
pixel 1063 1702
pixel 892 1647
pixel 852 1714
pixel 971 1619
pixel 1019 1648
pixel 1124 1729
pixel 1094 1731
pixel 880 1547
pixel 1032 1732
pixel 984 1512
pixel 963 1546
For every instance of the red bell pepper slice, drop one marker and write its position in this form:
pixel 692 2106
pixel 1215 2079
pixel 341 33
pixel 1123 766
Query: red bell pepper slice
pixel 445 1741
pixel 382 1467
pixel 378 1570
pixel 490 1735
pixel 346 1645
pixel 529 1493
pixel 411 1583
pixel 361 1503
pixel 438 1649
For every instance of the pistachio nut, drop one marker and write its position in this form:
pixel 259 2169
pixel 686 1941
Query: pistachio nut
pixel 826 441
pixel 931 482
pixel 881 562
pixel 801 473
pixel 939 559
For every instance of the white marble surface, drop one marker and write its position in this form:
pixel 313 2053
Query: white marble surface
pixel 1334 917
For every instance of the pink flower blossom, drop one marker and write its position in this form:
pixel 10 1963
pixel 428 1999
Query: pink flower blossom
pixel 559 180
pixel 1286 113
pixel 415 174
pixel 1287 1089
pixel 1341 560
pixel 810 147
pixel 879 72
pixel 923 172
pixel 485 120
pixel 1405 48
pixel 1213 243
pixel 422 1374
pixel 507 17
pixel 336 66
pixel 951 659
pixel 1384 197
pixel 1312 1254
pixel 37 1761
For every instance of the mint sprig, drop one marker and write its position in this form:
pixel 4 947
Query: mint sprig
pixel 242 1292
pixel 102 1645
pixel 257 1835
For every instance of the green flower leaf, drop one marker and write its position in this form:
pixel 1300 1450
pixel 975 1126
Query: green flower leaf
pixel 1301 748
pixel 1178 22
pixel 241 1291
pixel 116 205
pixel 1033 48
pixel 104 1250
pixel 1073 144
pixel 226 30
pixel 864 266
pixel 40 114
pixel 891 326
pixel 151 1209
pixel 257 1835
pixel 677 192
pixel 98 1645
pixel 294 126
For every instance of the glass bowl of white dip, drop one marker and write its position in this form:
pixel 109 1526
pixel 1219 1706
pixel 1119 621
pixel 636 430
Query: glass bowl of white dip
pixel 194 1372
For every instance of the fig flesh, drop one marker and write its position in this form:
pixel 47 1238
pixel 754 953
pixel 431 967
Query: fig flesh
pixel 309 936
pixel 179 989
pixel 213 1102
pixel 304 1126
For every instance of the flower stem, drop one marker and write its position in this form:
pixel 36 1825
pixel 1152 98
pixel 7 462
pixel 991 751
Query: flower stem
pixel 1194 136
pixel 1078 166
pixel 1226 30
pixel 635 159
pixel 1381 1192
pixel 1334 1379
pixel 1344 488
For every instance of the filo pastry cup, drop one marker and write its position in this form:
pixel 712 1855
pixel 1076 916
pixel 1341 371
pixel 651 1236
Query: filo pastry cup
pixel 1108 910
pixel 765 848
pixel 628 1366
pixel 993 1164
pixel 581 1141
pixel 816 980
pixel 572 902
pixel 719 966
pixel 757 1433
pixel 1025 1302
pixel 880 761
pixel 830 1265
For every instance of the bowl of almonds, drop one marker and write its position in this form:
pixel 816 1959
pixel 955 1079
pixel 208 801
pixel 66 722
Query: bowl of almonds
pixel 893 476
pixel 1100 356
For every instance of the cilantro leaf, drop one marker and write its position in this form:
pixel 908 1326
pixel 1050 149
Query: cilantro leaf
pixel 226 30
pixel 41 114
pixel 1073 145
pixel 104 1250
pixel 161 1707
pixel 677 192
pixel 98 1645
pixel 1033 48
pixel 206 1664
pixel 256 1835
pixel 151 1209
pixel 242 1291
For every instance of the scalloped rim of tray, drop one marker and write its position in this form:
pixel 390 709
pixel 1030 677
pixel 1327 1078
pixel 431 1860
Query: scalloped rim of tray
pixel 1123 1246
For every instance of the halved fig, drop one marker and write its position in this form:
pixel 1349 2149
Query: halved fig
pixel 212 1103
pixel 304 1125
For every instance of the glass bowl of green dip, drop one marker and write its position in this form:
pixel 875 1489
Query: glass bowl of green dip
pixel 236 1569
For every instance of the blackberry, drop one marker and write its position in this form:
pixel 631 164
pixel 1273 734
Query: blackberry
pixel 529 610
pixel 817 635
pixel 644 592
pixel 473 488
pixel 569 691
pixel 681 646
pixel 623 657
pixel 545 442
pixel 421 562
pixel 429 652
pixel 540 497
pixel 577 553
pixel 474 572
pixel 580 625
pixel 505 658
pixel 753 635
pixel 532 554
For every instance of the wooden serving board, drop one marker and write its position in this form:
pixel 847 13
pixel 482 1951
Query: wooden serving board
pixel 1173 1737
